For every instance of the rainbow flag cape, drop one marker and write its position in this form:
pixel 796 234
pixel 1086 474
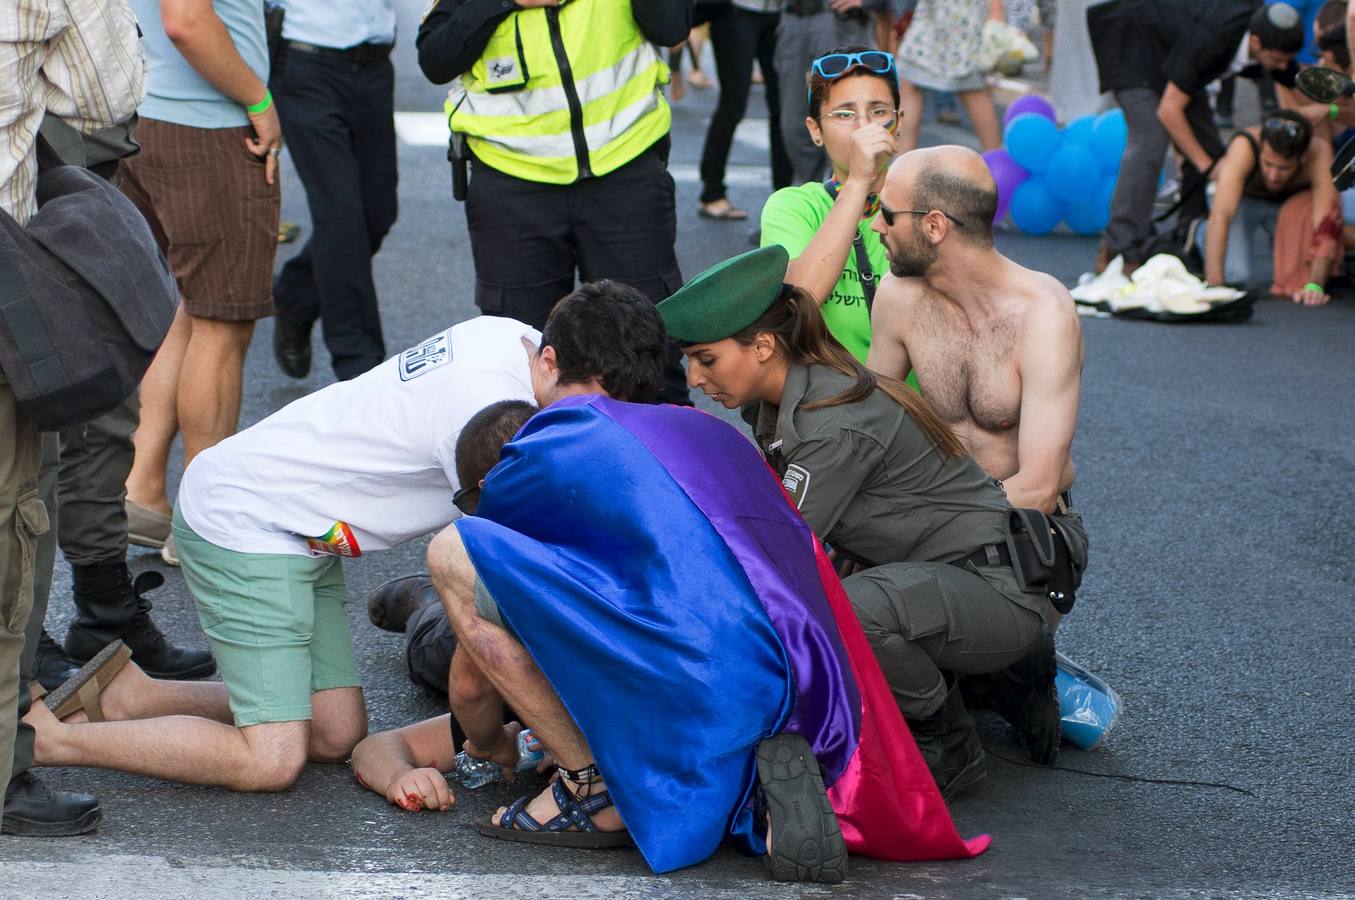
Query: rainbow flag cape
pixel 649 560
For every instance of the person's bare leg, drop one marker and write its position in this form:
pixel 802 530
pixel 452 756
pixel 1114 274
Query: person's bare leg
pixel 338 722
pixel 188 749
pixel 979 106
pixel 911 101
pixel 210 383
pixel 510 669
pixel 159 423
pixel 132 694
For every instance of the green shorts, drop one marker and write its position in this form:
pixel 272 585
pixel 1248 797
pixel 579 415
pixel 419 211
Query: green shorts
pixel 276 623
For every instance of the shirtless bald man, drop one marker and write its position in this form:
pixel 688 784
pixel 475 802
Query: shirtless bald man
pixel 996 346
pixel 997 349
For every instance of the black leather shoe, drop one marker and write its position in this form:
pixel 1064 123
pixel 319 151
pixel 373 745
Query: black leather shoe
pixel 52 667
pixel 292 346
pixel 32 809
pixel 390 606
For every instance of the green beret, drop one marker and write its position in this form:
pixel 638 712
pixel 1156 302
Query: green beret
pixel 726 298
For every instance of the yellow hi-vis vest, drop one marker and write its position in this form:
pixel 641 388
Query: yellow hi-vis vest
pixel 561 93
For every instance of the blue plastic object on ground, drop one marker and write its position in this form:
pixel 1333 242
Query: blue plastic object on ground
pixel 1088 707
pixel 475 773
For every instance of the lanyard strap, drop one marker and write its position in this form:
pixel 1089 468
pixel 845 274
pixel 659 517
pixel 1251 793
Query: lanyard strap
pixel 863 268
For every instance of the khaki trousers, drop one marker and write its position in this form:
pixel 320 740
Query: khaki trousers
pixel 22 519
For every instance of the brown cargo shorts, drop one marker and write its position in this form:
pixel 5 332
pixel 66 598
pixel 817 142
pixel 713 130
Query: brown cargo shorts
pixel 215 217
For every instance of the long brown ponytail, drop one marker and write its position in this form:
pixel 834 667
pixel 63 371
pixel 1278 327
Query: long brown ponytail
pixel 797 325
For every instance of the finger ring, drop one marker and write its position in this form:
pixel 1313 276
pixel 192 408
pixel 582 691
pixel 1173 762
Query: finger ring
pixel 276 151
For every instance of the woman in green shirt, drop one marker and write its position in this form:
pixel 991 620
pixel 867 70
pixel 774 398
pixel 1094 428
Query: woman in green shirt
pixel 825 226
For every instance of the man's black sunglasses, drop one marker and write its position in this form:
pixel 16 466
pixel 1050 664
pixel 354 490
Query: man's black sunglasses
pixel 888 214
pixel 467 499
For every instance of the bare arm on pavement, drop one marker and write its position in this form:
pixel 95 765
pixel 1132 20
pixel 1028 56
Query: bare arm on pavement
pixel 406 765
pixel 1232 176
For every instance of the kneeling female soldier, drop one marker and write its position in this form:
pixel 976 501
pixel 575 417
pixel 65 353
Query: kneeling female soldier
pixel 883 482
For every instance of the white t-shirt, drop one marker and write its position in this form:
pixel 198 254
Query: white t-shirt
pixel 360 465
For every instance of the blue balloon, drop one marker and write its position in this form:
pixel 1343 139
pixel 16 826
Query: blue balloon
pixel 1072 173
pixel 1034 209
pixel 1031 140
pixel 1078 133
pixel 1106 192
pixel 1088 214
pixel 1109 136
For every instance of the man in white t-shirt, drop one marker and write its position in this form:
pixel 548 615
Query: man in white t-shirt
pixel 266 516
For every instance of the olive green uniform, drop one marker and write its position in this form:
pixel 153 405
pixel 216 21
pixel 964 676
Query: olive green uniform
pixel 871 486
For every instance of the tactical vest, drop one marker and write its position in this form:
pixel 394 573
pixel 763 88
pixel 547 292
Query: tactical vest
pixel 562 93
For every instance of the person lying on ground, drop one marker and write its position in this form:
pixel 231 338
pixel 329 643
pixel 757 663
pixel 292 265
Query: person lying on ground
pixel 635 585
pixel 266 518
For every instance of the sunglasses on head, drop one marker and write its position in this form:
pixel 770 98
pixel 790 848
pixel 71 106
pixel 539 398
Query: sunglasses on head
pixel 835 65
pixel 1278 128
pixel 888 214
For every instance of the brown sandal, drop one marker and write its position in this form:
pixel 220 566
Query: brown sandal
pixel 83 689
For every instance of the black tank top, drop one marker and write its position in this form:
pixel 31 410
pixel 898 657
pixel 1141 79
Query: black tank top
pixel 1255 185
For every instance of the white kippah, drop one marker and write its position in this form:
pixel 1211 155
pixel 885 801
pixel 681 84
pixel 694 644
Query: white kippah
pixel 1282 15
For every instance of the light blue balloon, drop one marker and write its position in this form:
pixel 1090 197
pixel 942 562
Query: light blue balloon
pixel 1034 209
pixel 1105 193
pixel 1084 215
pixel 1109 136
pixel 1072 173
pixel 1032 140
pixel 1078 133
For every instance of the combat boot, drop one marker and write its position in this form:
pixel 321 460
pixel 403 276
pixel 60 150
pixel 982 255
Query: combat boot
pixel 950 745
pixel 110 606
pixel 51 666
pixel 1025 695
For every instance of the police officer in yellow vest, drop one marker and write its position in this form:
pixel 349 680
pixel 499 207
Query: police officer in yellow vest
pixel 561 106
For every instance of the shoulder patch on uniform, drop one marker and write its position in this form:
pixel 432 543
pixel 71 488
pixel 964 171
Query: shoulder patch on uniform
pixel 796 483
pixel 502 69
pixel 424 358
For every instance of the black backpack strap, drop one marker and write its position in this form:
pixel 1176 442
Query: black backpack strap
pixel 863 268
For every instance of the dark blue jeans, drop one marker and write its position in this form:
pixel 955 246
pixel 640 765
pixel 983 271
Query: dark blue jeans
pixel 338 122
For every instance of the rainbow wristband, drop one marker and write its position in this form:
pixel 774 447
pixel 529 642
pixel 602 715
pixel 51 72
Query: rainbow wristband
pixel 1333 111
pixel 1314 287
pixel 262 105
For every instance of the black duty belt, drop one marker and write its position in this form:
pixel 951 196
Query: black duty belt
pixel 804 7
pixel 361 55
pixel 992 555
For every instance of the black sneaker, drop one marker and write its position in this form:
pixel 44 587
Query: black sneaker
pixel 32 809
pixel 803 837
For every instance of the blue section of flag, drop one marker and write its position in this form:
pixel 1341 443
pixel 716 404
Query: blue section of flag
pixel 642 619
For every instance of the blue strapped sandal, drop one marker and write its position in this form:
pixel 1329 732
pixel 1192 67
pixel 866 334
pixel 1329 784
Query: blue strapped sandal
pixel 575 812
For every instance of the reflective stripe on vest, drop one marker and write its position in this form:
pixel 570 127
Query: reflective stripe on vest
pixel 516 109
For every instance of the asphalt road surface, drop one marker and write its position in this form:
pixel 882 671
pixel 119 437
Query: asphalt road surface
pixel 1214 469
